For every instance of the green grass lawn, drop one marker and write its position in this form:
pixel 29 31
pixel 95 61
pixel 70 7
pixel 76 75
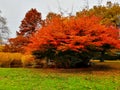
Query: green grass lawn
pixel 102 76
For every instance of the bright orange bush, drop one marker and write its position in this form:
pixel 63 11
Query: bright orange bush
pixel 74 33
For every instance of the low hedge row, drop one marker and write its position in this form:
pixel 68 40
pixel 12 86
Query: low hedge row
pixel 16 60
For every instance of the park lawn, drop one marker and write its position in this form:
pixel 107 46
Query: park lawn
pixel 102 76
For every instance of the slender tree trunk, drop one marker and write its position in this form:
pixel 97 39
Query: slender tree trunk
pixel 102 56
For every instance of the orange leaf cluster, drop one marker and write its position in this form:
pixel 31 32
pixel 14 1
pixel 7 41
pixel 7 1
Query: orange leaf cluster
pixel 74 33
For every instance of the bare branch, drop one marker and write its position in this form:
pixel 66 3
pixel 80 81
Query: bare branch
pixel 100 2
pixel 70 14
pixel 59 7
pixel 87 4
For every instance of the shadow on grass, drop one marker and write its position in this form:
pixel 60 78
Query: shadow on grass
pixel 99 67
pixel 104 68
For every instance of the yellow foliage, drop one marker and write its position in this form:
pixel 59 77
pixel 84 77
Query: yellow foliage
pixel 15 59
pixel 5 59
pixel 1 48
pixel 27 60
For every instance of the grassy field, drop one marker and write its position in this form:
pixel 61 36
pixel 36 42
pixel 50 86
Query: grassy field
pixel 102 76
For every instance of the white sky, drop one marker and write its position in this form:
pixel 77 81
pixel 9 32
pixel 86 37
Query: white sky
pixel 15 10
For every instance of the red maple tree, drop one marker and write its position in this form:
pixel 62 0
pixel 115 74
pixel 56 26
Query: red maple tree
pixel 76 37
pixel 29 25
pixel 31 22
pixel 75 33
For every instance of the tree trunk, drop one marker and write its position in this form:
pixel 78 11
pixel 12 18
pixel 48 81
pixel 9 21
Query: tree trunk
pixel 102 56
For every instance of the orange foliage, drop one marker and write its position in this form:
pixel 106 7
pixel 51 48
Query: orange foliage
pixel 29 25
pixel 74 33
pixel 16 44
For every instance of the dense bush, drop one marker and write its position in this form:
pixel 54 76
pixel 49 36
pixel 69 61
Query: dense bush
pixel 1 48
pixel 27 60
pixel 5 60
pixel 108 56
pixel 66 59
pixel 15 60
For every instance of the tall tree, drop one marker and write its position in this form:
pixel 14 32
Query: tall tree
pixel 29 25
pixel 109 13
pixel 77 34
pixel 4 31
pixel 52 15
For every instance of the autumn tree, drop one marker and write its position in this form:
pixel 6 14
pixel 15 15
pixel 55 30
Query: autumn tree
pixel 29 25
pixel 52 15
pixel 4 31
pixel 79 36
pixel 16 44
pixel 109 13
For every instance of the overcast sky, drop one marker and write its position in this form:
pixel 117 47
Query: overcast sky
pixel 15 10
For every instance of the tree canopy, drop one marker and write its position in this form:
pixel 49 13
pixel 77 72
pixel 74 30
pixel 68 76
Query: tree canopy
pixel 110 13
pixel 75 33
pixel 81 35
pixel 29 25
pixel 4 31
